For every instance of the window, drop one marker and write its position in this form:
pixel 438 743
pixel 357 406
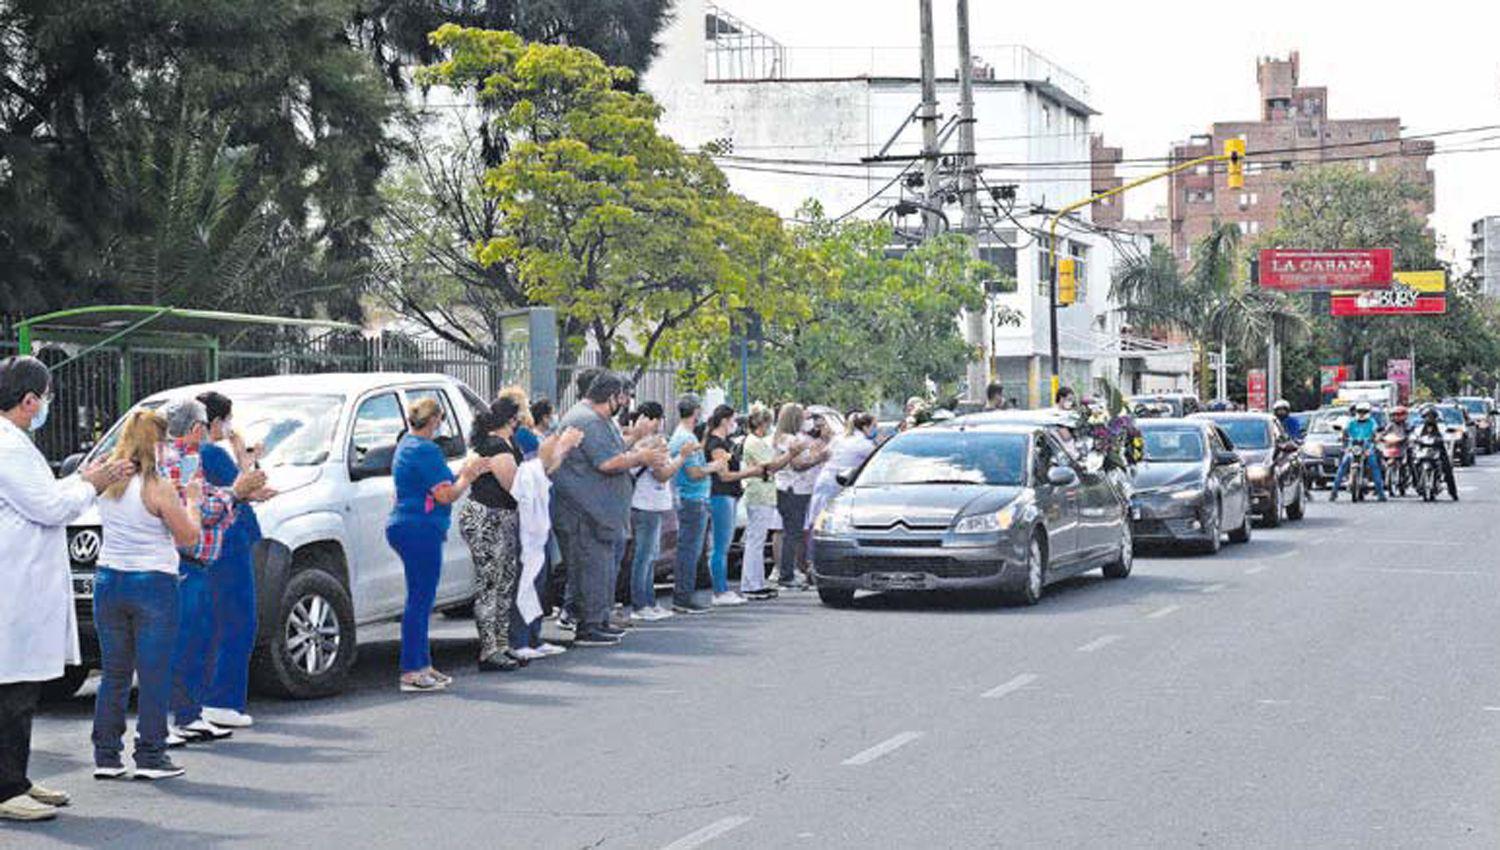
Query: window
pixel 1201 169
pixel 1003 279
pixel 1200 196
pixel 1254 228
pixel 1080 254
pixel 1244 227
pixel 1047 116
pixel 1377 136
pixel 940 456
pixel 1372 166
pixel 378 425
pixel 450 435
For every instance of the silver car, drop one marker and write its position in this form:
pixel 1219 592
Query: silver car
pixel 993 507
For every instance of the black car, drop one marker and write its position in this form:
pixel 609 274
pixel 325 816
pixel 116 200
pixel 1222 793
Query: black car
pixel 1481 411
pixel 1190 487
pixel 1271 464
pixel 970 507
pixel 1167 405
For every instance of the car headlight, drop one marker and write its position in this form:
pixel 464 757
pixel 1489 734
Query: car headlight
pixel 835 520
pixel 1258 473
pixel 1000 520
pixel 1312 450
pixel 1183 492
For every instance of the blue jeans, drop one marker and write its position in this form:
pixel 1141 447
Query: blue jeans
pixel 136 616
pixel 692 526
pixel 195 632
pixel 722 508
pixel 1373 461
pixel 647 528
pixel 420 546
pixel 521 633
pixel 232 583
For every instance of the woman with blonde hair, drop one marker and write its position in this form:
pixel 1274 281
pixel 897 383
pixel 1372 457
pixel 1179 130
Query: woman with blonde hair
pixel 135 599
pixel 425 492
pixel 793 490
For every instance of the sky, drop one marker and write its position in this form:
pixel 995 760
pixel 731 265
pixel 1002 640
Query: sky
pixel 1162 71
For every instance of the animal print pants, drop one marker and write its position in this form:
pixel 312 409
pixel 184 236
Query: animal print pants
pixel 494 538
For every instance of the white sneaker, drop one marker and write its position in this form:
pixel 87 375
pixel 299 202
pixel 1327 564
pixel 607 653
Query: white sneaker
pixel 227 718
pixel 22 807
pixel 551 649
pixel 662 613
pixel 641 615
pixel 528 653
pixel 728 599
pixel 174 739
pixel 202 730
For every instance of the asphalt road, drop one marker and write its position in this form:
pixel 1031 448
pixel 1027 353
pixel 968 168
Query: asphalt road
pixel 1335 683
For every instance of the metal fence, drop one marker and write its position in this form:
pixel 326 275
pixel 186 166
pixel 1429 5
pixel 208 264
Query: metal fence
pixel 655 384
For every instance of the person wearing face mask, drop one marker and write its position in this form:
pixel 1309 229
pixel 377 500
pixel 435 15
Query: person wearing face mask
pixel 846 454
pixel 1066 398
pixel 591 508
pixel 232 580
pixel 725 493
pixel 38 623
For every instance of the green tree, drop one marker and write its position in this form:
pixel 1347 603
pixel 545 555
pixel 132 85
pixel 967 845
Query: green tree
pixel 638 244
pixel 880 324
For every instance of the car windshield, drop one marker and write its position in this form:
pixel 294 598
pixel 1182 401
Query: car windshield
pixel 1334 420
pixel 1247 433
pixel 948 457
pixel 1173 445
pixel 1150 405
pixel 1474 406
pixel 1451 415
pixel 297 430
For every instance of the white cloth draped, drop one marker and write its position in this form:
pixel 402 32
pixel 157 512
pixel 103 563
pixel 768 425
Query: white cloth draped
pixel 532 491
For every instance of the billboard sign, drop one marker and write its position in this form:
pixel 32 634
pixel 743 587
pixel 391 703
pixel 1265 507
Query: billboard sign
pixel 1413 294
pixel 1330 378
pixel 1255 389
pixel 1296 270
pixel 1399 371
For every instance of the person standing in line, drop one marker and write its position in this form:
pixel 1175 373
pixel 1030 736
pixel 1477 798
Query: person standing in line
pixel 810 467
pixel 846 454
pixel 182 464
pixel 135 601
pixel 725 493
pixel 791 506
pixel 567 616
pixel 425 492
pixel 761 516
pixel 650 504
pixel 526 637
pixel 38 623
pixel 692 487
pixel 232 580
pixel 591 511
pixel 542 417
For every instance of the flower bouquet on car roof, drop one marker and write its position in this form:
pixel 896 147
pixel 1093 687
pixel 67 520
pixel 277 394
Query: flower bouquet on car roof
pixel 1113 441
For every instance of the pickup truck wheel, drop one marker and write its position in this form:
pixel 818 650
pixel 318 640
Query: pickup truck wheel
pixel 66 686
pixel 311 649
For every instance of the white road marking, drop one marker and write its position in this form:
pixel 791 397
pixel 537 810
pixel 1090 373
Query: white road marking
pixel 885 747
pixel 1419 572
pixel 1098 643
pixel 1273 702
pixel 1012 686
pixel 1375 542
pixel 1492 708
pixel 1162 612
pixel 1253 570
pixel 1214 588
pixel 708 833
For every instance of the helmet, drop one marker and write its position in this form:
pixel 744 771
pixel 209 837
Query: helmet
pixel 1362 408
pixel 1399 413
pixel 1281 406
pixel 1429 413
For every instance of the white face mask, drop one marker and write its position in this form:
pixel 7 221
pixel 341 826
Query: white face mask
pixel 227 427
pixel 40 418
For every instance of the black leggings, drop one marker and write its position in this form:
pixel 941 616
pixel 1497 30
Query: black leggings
pixel 793 510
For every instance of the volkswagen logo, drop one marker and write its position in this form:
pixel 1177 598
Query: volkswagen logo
pixel 84 547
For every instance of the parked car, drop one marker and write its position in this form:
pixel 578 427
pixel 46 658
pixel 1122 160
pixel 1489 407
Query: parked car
pixel 1191 487
pixel 1482 413
pixel 1173 405
pixel 324 568
pixel 1271 464
pixel 1323 444
pixel 990 507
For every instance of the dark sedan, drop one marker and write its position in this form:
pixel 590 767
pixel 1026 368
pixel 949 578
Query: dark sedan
pixel 1191 486
pixel 970 507
pixel 1271 464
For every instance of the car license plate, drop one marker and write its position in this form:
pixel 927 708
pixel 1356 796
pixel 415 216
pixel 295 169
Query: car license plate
pixel 83 586
pixel 1135 511
pixel 899 580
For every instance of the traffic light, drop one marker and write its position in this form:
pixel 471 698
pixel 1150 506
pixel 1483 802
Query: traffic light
pixel 1235 150
pixel 1067 282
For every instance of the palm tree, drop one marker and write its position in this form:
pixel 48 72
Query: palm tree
pixel 1213 305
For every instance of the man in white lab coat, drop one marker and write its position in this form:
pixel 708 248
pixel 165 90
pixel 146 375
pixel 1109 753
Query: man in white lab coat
pixel 38 627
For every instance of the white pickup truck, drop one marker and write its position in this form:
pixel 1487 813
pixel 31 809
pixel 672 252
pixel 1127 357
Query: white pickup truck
pixel 324 568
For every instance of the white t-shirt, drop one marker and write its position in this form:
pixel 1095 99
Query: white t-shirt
pixel 651 494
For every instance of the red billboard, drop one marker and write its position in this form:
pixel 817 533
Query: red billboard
pixel 1412 294
pixel 1399 370
pixel 1296 270
pixel 1255 389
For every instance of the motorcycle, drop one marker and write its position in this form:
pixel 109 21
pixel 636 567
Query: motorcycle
pixel 1356 454
pixel 1394 464
pixel 1428 459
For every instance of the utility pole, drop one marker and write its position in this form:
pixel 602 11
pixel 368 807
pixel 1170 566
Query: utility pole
pixel 968 192
pixel 929 118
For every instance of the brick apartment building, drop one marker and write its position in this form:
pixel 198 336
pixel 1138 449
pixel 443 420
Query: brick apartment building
pixel 1294 122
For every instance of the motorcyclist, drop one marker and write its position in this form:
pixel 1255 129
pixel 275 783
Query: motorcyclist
pixel 1431 427
pixel 1360 429
pixel 1400 428
pixel 1282 410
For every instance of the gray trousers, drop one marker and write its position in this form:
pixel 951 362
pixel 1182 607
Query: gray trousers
pixel 588 552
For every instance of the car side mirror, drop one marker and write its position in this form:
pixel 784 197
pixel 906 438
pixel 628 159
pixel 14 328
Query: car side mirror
pixel 845 479
pixel 372 464
pixel 1062 476
pixel 1226 458
pixel 70 465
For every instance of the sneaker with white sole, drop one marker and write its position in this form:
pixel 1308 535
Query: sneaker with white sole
pixel 228 718
pixel 528 653
pixel 175 740
pixel 111 771
pixel 550 649
pixel 662 613
pixel 728 599
pixel 566 623
pixel 201 730
pixel 160 769
pixel 22 807
pixel 50 796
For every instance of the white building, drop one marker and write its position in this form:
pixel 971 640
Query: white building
pixel 1484 254
pixel 792 125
